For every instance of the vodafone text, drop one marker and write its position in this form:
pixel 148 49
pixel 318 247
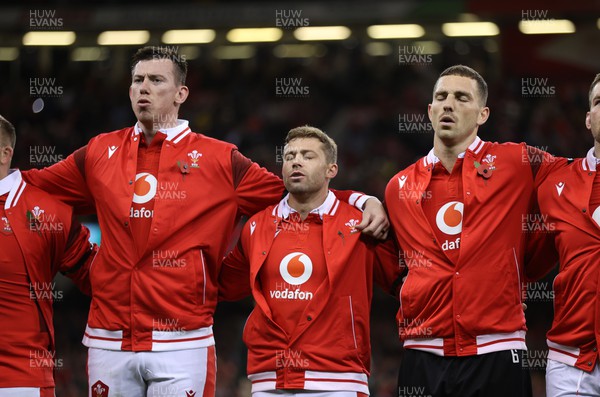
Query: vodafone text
pixel 451 245
pixel 141 213
pixel 288 292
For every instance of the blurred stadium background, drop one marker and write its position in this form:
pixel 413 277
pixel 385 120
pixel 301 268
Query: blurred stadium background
pixel 366 81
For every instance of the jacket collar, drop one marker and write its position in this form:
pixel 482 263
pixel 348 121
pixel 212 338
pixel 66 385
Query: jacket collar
pixel 475 147
pixel 13 184
pixel 329 207
pixel 175 134
pixel 590 161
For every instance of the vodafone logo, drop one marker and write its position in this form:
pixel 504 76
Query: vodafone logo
pixel 144 189
pixel 296 268
pixel 449 217
pixel 596 216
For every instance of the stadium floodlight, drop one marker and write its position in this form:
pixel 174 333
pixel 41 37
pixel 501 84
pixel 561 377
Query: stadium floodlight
pixel 123 37
pixel 234 52
pixel 404 31
pixel 547 26
pixel 188 36
pixel 89 54
pixel 9 53
pixel 254 35
pixel 49 38
pixel 317 33
pixel 462 29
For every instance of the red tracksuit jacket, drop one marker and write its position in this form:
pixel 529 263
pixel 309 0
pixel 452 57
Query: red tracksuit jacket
pixel 50 241
pixel 165 297
pixel 330 346
pixel 472 306
pixel 564 199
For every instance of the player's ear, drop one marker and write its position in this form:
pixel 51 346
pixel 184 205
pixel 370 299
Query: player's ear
pixel 332 170
pixel 6 154
pixel 182 94
pixel 588 121
pixel 484 114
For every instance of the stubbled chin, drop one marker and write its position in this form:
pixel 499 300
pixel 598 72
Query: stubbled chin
pixel 294 187
pixel 445 132
pixel 144 114
pixel 449 136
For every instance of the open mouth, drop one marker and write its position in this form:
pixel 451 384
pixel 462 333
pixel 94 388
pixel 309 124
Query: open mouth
pixel 446 119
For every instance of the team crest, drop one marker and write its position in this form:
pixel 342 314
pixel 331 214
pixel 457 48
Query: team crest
pixel 6 229
pixel 37 212
pixel 99 389
pixel 194 156
pixel 352 225
pixel 34 218
pixel 489 158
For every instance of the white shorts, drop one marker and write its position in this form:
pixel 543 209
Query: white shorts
pixel 26 391
pixel 563 380
pixel 308 393
pixel 176 373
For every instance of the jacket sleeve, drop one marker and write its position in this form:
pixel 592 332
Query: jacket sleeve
pixel 65 181
pixel 255 187
pixel 78 254
pixel 542 163
pixel 388 268
pixel 356 199
pixel 234 277
pixel 541 255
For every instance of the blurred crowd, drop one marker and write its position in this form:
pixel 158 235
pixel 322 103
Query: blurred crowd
pixel 362 101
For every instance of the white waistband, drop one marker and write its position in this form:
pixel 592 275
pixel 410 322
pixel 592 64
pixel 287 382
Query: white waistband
pixel 161 340
pixel 564 354
pixel 485 343
pixel 316 380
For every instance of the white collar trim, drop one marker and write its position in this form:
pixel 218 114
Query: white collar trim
pixel 13 184
pixel 475 147
pixel 329 207
pixel 590 161
pixel 174 134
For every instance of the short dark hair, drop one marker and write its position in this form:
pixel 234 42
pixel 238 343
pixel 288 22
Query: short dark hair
pixel 329 146
pixel 157 52
pixel 465 71
pixel 7 132
pixel 596 81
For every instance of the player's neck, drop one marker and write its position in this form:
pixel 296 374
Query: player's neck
pixel 4 168
pixel 597 149
pixel 448 152
pixel 148 131
pixel 305 203
pixel 150 128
